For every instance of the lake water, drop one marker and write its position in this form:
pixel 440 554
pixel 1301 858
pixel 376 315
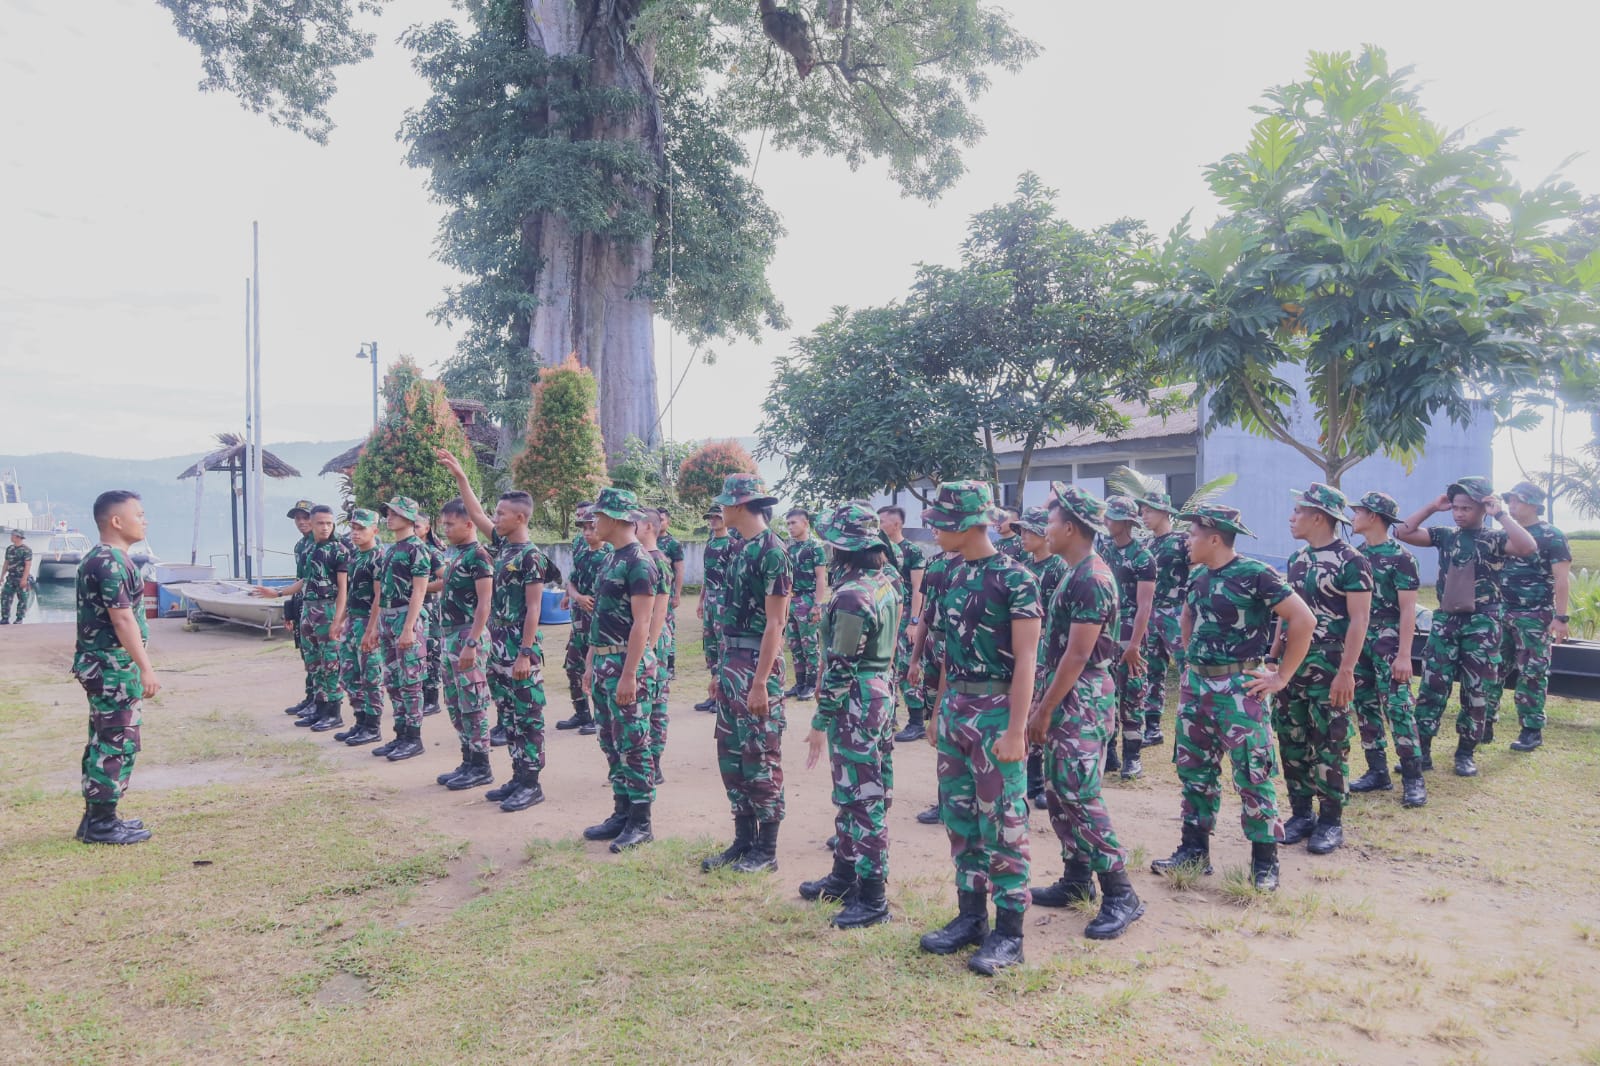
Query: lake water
pixel 56 603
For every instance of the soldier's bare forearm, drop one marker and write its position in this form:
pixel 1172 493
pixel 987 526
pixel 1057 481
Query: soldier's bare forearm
pixel 533 603
pixel 127 629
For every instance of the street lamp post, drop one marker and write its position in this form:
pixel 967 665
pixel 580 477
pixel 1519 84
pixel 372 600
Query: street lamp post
pixel 369 350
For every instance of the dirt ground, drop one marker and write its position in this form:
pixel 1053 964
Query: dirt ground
pixel 1468 931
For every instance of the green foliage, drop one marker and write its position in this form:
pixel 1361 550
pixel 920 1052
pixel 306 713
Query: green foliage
pixel 1395 265
pixel 1583 604
pixel 700 476
pixel 278 57
pixel 651 472
pixel 399 456
pixel 564 462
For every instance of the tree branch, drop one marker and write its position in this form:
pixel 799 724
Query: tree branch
pixel 1277 430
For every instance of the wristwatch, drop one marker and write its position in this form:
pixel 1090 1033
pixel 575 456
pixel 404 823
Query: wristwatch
pixel 526 652
pixel 1563 618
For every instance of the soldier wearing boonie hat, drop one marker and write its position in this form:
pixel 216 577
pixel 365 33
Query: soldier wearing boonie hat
pixel 1134 568
pixel 588 559
pixel 988 617
pixel 301 513
pixel 1048 569
pixel 1163 643
pixel 361 671
pixel 1536 590
pixel 809 562
pixel 718 545
pixel 1313 716
pixel 1383 676
pixel 1466 634
pixel 1229 614
pixel 402 586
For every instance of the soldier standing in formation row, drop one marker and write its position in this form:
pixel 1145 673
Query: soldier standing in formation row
pixel 432 636
pixel 912 562
pixel 466 592
pixel 300 514
pixel 18 580
pixel 809 563
pixel 926 666
pixel 1047 569
pixel 588 560
pixel 361 671
pixel 1135 571
pixel 402 584
pixel 1536 589
pixel 718 545
pixel 1164 638
pixel 648 529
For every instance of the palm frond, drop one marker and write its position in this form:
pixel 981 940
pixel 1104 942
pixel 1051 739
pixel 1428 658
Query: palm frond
pixel 1208 492
pixel 1125 481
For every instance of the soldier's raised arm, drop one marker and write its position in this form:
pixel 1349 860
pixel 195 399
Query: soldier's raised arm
pixel 475 511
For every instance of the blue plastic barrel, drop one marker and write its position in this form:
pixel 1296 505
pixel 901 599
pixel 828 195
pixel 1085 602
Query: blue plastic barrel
pixel 551 612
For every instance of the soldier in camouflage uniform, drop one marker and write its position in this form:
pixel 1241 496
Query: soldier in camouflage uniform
pixel 925 668
pixel 911 560
pixel 18 580
pixel 619 667
pixel 1074 713
pixel 988 616
pixel 361 672
pixel 433 633
pixel 1313 716
pixel 1536 589
pixel 1008 540
pixel 1227 628
pixel 649 529
pixel 1163 643
pixel 588 559
pixel 1383 676
pixel 809 563
pixel 1135 571
pixel 111 665
pixel 1465 639
pixel 751 614
pixel 402 583
pixel 669 546
pixel 301 514
pixel 323 594
pixel 718 545
pixel 465 594
pixel 855 704
pixel 1047 569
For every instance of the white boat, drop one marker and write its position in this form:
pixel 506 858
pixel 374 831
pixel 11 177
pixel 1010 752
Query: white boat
pixel 60 556
pixel 229 601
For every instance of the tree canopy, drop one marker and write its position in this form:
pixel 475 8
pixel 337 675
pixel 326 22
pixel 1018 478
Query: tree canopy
pixel 563 462
pixel 399 457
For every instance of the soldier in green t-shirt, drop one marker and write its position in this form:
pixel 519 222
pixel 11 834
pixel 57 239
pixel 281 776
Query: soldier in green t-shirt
pixel 402 585
pixel 809 562
pixel 718 545
pixel 588 559
pixel 466 593
pixel 18 579
pixel 912 561
pixel 1536 589
pixel 361 671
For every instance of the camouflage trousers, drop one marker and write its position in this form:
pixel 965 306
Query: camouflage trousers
pixel 116 709
pixel 319 648
pixel 1464 647
pixel 1130 690
pixel 13 592
pixel 1162 647
pixel 750 747
pixel 804 638
pixel 624 729
pixel 402 667
pixel 360 674
pixel 521 703
pixel 432 636
pixel 660 688
pixel 466 692
pixel 1524 665
pixel 710 638
pixel 861 756
pixel 1216 715
pixel 982 800
pixel 1381 700
pixel 669 633
pixel 577 652
pixel 1074 759
pixel 915 696
pixel 1313 734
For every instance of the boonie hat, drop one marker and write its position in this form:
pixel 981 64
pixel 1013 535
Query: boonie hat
pixel 738 489
pixel 1080 504
pixel 1217 516
pixel 960 506
pixel 404 506
pixel 1123 509
pixel 1478 488
pixel 852 526
pixel 1325 498
pixel 1381 504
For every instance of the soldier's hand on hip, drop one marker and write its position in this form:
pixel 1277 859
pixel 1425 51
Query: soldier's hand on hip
pixel 815 740
pixel 1266 682
pixel 1011 747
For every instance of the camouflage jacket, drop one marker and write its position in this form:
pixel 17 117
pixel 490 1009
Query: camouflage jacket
pixel 402 562
pixel 1087 595
pixel 663 587
pixel 1529 583
pixel 587 564
pixel 518 567
pixel 757 568
pixel 1324 577
pixel 19 557
pixel 1130 564
pixel 323 564
pixel 805 556
pixel 107 581
pixel 1171 554
pixel 629 572
pixel 974 615
pixel 1485 547
pixel 458 600
pixel 1233 611
pixel 363 572
pixel 1394 570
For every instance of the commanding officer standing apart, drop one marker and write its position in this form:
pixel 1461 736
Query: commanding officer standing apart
pixel 1163 640
pixel 718 545
pixel 1313 717
pixel 912 562
pixel 1227 629
pixel 1535 588
pixel 751 616
pixel 588 560
pixel 988 618
pixel 809 563
pixel 18 579
pixel 111 665
pixel 1135 570
pixel 1465 639
pixel 301 514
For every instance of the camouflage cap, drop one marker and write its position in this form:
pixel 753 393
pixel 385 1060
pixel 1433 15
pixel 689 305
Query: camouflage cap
pixel 1381 504
pixel 1325 498
pixel 301 509
pixel 364 517
pixel 1476 487
pixel 712 512
pixel 582 509
pixel 1080 505
pixel 852 526
pixel 1123 509
pixel 404 506
pixel 738 489
pixel 1216 516
pixel 1033 520
pixel 960 506
pixel 1527 492
pixel 620 504
pixel 1156 501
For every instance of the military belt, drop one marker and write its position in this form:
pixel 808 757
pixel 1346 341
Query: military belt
pixel 1328 646
pixel 387 611
pixel 456 631
pixel 1224 669
pixel 317 599
pixel 730 640
pixel 989 686
pixel 609 649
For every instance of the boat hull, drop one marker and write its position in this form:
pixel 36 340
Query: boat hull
pixel 227 601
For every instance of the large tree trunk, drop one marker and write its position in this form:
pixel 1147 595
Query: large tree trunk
pixel 585 290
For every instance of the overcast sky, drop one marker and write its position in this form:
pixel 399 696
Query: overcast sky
pixel 128 197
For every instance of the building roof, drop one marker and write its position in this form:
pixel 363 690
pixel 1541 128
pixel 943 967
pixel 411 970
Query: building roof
pixel 1143 425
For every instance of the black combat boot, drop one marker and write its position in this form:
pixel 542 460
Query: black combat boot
pixel 495 795
pixel 867 907
pixel 332 717
pixel 1002 947
pixel 1466 765
pixel 410 747
pixel 1488 732
pixel 466 761
pixel 357 717
pixel 1152 731
pixel 497 735
pixel 477 774
pixel 430 700
pixel 744 834
pixel 1112 762
pixel 1075 884
pixel 762 855
pixel 1119 908
pixel 1301 821
pixel 1376 779
pixel 930 816
pixel 1036 778
pixel 1413 793
pixel 914 729
pixel 529 794
pixel 1132 766
pixel 301 707
pixel 612 827
pixel 365 732
pixel 1329 832
pixel 637 831
pixel 83 822
pixel 1528 740
pixel 102 826
pixel 580 713
pixel 708 704
pixel 1264 866
pixel 839 885
pixel 1193 850
pixel 970 926
pixel 309 716
pixel 1427 753
pixel 384 749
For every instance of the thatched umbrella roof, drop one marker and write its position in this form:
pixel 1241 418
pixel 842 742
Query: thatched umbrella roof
pixel 345 461
pixel 232 450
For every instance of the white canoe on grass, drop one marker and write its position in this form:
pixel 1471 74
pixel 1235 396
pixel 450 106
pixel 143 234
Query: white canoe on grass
pixel 230 601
